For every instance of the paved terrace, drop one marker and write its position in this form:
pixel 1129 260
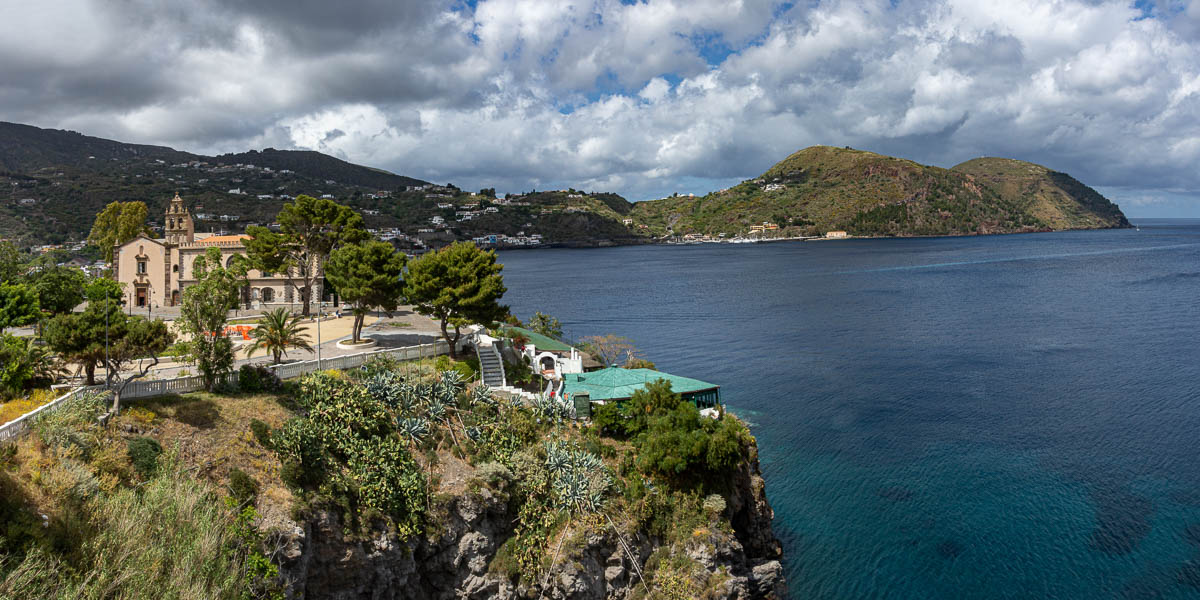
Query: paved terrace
pixel 403 328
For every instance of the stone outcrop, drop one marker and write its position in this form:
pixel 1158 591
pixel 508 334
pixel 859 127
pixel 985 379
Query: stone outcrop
pixel 319 560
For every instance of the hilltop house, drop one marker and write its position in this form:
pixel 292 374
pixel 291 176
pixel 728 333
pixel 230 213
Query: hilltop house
pixel 156 271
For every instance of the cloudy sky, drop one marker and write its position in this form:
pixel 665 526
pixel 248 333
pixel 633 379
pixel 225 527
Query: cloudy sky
pixel 641 98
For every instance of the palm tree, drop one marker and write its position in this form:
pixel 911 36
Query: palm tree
pixel 278 331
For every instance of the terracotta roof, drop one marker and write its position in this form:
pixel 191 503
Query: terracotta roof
pixel 221 239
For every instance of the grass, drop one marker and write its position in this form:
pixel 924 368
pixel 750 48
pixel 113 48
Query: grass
pixel 213 432
pixel 169 539
pixel 394 324
pixel 15 408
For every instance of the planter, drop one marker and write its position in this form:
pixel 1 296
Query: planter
pixel 363 344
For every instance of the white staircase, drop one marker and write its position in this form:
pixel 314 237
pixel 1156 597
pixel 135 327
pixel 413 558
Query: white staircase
pixel 491 366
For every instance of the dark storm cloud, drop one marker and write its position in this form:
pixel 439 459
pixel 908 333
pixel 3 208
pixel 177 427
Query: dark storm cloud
pixel 633 98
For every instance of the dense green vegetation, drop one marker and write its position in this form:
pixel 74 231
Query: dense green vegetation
pixel 371 444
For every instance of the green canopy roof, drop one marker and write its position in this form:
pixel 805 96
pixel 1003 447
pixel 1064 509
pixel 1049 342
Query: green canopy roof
pixel 616 383
pixel 540 341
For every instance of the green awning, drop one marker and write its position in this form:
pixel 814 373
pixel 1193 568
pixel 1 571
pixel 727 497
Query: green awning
pixel 616 383
pixel 540 341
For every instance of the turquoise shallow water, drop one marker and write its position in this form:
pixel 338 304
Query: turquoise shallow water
pixel 987 417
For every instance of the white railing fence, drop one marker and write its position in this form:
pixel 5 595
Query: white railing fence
pixel 147 388
pixel 14 427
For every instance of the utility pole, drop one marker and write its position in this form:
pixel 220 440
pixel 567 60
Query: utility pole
pixel 318 335
pixel 107 371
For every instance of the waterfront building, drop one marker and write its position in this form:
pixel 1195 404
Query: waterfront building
pixel 618 384
pixel 155 271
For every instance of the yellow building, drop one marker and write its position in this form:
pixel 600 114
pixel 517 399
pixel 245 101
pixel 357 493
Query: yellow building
pixel 156 271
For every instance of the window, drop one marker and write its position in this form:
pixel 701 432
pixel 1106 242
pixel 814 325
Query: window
pixel 141 269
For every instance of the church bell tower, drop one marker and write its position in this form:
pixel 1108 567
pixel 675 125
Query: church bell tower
pixel 178 225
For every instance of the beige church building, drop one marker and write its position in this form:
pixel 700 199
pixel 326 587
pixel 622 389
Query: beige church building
pixel 156 271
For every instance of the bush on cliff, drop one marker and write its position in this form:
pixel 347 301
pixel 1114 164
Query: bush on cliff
pixel 673 440
pixel 347 450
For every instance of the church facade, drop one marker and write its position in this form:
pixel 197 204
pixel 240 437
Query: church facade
pixel 156 271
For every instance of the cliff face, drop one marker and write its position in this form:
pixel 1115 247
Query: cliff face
pixel 320 561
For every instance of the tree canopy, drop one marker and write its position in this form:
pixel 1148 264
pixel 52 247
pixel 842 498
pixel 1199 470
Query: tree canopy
pixel 142 338
pixel 309 230
pixel 10 263
pixel 18 305
pixel 118 223
pixel 611 350
pixel 546 325
pixel 458 285
pixel 59 289
pixel 81 337
pixel 205 311
pixel 367 276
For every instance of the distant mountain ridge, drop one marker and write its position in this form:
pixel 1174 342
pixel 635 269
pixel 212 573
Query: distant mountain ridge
pixel 26 148
pixel 53 182
pixel 823 188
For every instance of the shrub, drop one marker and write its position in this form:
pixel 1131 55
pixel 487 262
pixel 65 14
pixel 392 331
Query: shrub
pixel 143 453
pixel 377 365
pixel 72 423
pixel 20 406
pixel 257 378
pixel 262 432
pixel 141 415
pixel 442 363
pixel 493 475
pixel 302 452
pixel 468 368
pixel 242 487
pixel 714 506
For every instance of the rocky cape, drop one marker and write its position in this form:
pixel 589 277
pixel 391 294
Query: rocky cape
pixel 822 188
pixel 320 560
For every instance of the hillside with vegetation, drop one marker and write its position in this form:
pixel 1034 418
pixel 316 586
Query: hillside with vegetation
pixel 822 188
pixel 53 182
pixel 389 481
pixel 1056 199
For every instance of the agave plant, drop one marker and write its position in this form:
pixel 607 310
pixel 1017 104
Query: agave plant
pixel 425 391
pixel 383 387
pixel 482 394
pixel 451 380
pixel 558 458
pixel 474 434
pixel 408 397
pixel 435 408
pixel 413 428
pixel 578 478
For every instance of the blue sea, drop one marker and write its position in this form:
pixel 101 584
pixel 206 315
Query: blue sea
pixel 978 417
